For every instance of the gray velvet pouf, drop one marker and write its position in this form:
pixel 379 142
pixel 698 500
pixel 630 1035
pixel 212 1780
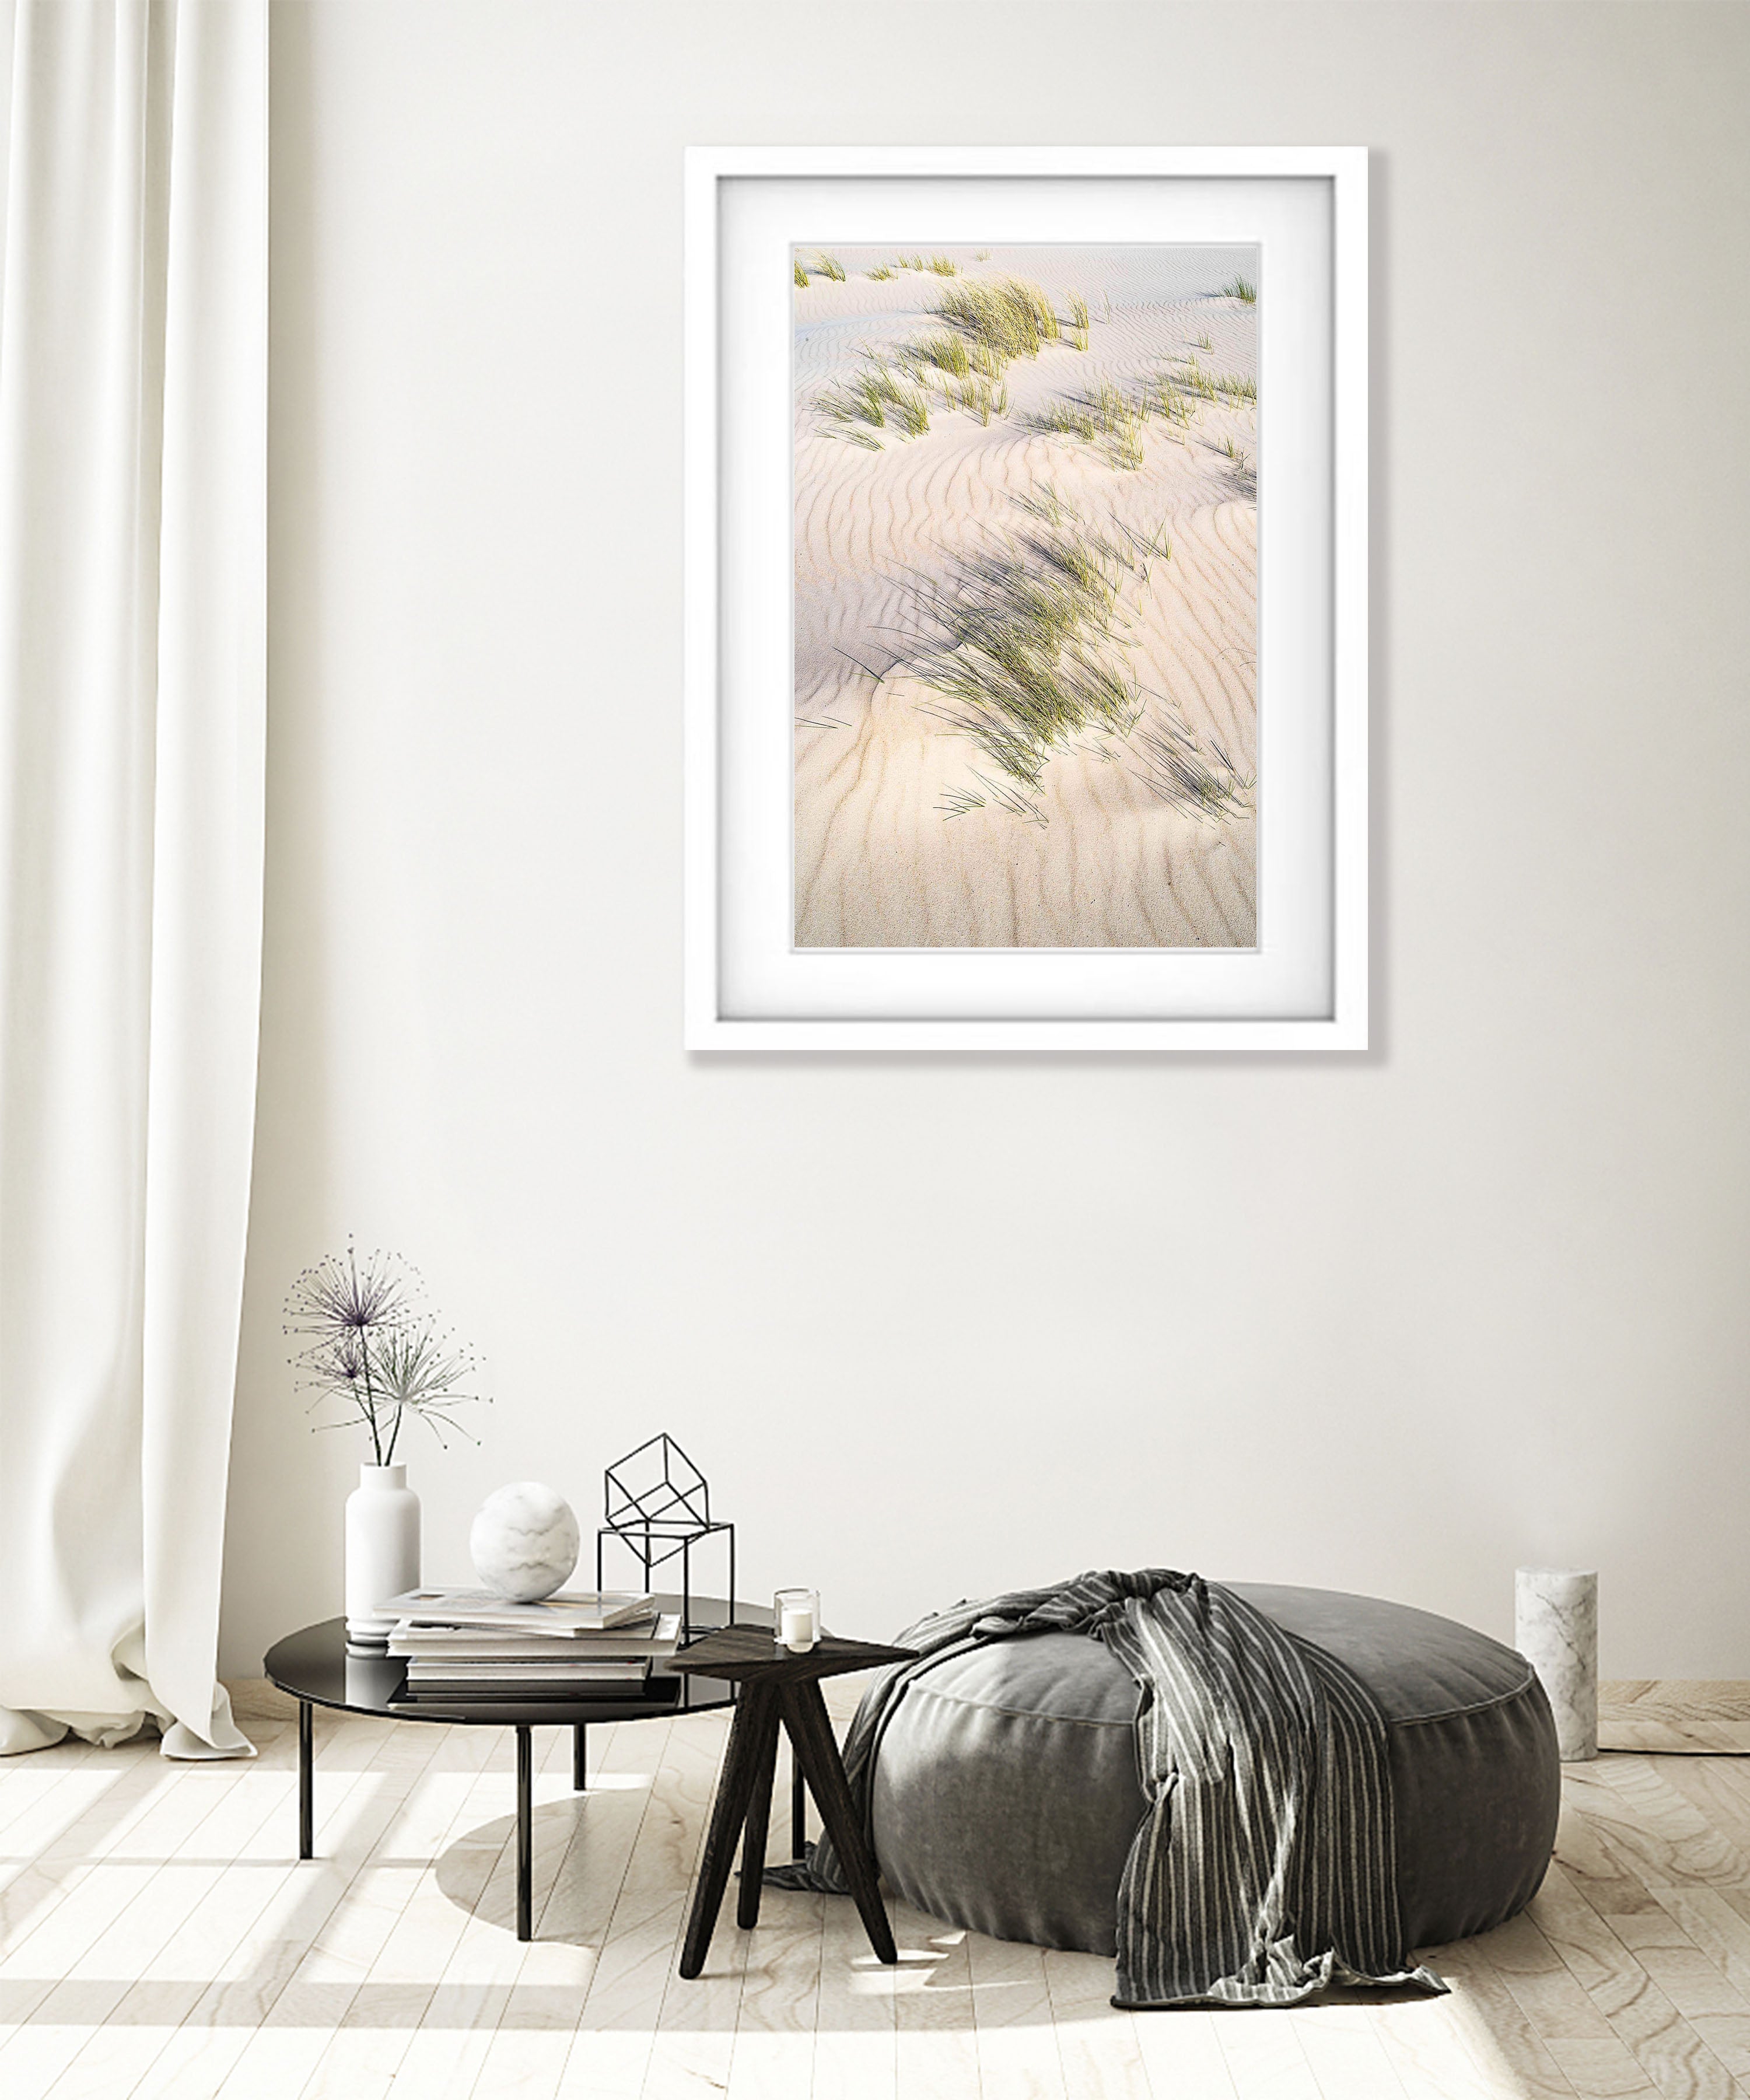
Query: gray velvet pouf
pixel 1006 1794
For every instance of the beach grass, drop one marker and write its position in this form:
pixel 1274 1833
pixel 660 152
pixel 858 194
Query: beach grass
pixel 1078 321
pixel 1114 418
pixel 864 403
pixel 1244 468
pixel 1241 288
pixel 988 325
pixel 1171 404
pixel 1020 661
pixel 1166 756
pixel 946 351
pixel 1105 416
pixel 941 267
pixel 1045 503
pixel 1195 378
pixel 1064 418
pixel 801 278
pixel 1007 316
pixel 830 266
pixel 1025 646
pixel 883 272
pixel 910 406
pixel 978 397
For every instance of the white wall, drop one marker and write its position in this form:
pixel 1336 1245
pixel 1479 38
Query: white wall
pixel 937 1326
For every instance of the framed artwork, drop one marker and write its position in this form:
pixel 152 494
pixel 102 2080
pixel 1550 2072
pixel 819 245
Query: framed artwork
pixel 1026 599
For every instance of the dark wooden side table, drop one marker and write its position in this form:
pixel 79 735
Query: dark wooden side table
pixel 774 1686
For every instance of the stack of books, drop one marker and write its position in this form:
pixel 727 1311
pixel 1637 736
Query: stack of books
pixel 469 1647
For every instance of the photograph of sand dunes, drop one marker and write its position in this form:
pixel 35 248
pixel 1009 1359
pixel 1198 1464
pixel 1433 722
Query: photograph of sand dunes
pixel 1025 647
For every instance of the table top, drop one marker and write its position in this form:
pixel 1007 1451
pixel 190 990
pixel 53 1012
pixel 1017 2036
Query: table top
pixel 750 1654
pixel 313 1664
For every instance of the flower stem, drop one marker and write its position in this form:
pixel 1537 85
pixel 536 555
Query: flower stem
pixel 370 1398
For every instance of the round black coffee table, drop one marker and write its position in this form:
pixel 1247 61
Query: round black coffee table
pixel 314 1667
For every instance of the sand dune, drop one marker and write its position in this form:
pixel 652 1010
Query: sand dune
pixel 907 833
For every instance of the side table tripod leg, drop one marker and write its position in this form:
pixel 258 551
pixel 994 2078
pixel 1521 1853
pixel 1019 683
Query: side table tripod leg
pixel 728 1813
pixel 306 1781
pixel 804 1713
pixel 798 1808
pixel 764 1754
pixel 580 1757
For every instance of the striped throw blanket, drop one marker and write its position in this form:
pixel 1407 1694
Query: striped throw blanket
pixel 1265 1867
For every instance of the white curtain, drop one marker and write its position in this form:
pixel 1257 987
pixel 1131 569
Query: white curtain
pixel 133 458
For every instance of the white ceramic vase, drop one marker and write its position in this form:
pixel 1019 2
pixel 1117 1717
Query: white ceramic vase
pixel 382 1551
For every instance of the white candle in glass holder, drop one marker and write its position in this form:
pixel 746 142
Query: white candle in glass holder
pixel 797 1617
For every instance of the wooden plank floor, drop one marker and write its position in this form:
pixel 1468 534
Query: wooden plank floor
pixel 159 1940
pixel 1674 1714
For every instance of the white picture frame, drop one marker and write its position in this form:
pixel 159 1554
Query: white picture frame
pixel 1304 987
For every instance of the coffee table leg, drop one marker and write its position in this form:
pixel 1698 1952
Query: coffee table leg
pixel 798 1809
pixel 307 1782
pixel 525 1834
pixel 580 1757
pixel 729 1812
pixel 804 1713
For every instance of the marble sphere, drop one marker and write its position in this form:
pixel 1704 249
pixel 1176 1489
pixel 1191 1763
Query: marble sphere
pixel 524 1541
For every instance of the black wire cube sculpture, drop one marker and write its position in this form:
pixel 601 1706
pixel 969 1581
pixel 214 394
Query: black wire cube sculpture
pixel 657 1504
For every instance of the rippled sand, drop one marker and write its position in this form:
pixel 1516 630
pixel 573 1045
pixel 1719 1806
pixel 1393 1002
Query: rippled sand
pixel 879 863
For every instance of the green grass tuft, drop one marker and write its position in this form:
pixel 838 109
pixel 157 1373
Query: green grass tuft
pixel 830 266
pixel 1064 418
pixel 1195 379
pixel 1105 416
pixel 1171 405
pixel 1046 504
pixel 1244 470
pixel 1021 659
pixel 801 278
pixel 1241 288
pixel 864 403
pixel 946 351
pixel 1009 317
pixel 978 397
pixel 1169 760
pixel 1025 647
pixel 911 405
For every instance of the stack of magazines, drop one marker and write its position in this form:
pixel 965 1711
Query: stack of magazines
pixel 468 1646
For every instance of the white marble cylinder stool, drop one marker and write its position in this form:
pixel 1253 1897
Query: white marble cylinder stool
pixel 1556 1629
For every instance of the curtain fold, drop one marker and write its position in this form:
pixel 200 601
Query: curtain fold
pixel 133 452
